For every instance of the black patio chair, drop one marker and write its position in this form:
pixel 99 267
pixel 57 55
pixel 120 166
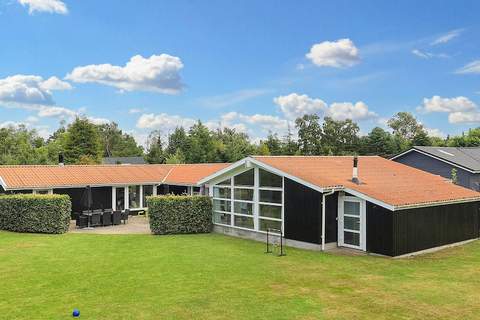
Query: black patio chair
pixel 107 217
pixel 95 219
pixel 81 220
pixel 124 215
pixel 116 217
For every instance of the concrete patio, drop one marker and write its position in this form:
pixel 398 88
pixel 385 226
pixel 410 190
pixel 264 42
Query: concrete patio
pixel 135 225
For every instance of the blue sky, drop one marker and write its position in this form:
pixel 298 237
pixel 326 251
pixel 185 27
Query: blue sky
pixel 251 65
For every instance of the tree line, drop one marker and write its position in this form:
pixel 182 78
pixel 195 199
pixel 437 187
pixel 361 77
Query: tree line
pixel 83 142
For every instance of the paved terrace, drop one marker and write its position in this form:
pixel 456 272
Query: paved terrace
pixel 135 225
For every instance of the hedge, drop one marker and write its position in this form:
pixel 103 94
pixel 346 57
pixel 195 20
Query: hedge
pixel 172 214
pixel 35 213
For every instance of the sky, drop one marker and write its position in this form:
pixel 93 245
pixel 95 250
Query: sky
pixel 251 65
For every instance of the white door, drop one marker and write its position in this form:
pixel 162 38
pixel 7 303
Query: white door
pixel 351 222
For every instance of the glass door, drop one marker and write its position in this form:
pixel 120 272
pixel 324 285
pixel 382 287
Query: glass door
pixel 120 198
pixel 351 224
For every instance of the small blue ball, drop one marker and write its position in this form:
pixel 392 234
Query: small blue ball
pixel 76 313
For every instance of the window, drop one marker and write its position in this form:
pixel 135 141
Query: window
pixel 243 208
pixel 120 198
pixel 134 197
pixel 243 222
pixel 223 193
pixel 243 194
pixel 270 180
pixel 244 179
pixel 222 218
pixel 41 191
pixel 195 191
pixel 147 191
pixel 250 200
pixel 271 211
pixel 270 196
pixel 222 205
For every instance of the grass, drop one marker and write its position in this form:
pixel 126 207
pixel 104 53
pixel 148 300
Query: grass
pixel 216 277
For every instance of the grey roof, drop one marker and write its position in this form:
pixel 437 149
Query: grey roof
pixel 468 158
pixel 123 160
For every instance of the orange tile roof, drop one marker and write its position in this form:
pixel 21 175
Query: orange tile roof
pixel 381 179
pixel 54 176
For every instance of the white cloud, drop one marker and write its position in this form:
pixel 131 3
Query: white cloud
pixel 346 110
pixel 98 121
pixel 338 54
pixel 163 121
pixel 135 110
pixel 447 37
pixel 295 105
pixel 159 73
pixel 449 105
pixel 472 67
pixel 53 83
pixel 50 6
pixel 428 55
pixel 464 117
pixel 224 100
pixel 433 132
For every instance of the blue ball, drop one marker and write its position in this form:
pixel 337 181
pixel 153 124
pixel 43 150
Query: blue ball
pixel 76 313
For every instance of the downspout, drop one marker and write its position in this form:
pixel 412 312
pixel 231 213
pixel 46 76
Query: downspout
pixel 324 196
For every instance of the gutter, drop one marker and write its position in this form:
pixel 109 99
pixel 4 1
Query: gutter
pixel 324 196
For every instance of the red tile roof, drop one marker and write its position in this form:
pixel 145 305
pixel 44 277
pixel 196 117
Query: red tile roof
pixel 387 181
pixel 48 176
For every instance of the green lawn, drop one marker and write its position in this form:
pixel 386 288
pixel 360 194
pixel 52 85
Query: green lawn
pixel 217 277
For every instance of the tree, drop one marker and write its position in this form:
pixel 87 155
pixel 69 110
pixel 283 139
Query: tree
pixel 273 144
pixel 201 146
pixel 115 143
pixel 289 145
pixel 405 125
pixel 155 153
pixel 379 142
pixel 339 137
pixel 177 141
pixel 309 134
pixel 82 141
pixel 231 145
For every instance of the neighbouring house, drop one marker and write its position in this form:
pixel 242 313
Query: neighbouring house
pixel 123 160
pixel 366 203
pixel 460 164
pixel 379 206
pixel 113 186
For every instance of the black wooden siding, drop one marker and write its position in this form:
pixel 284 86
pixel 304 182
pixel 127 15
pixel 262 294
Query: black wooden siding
pixel 102 197
pixel 379 229
pixel 429 227
pixel 303 214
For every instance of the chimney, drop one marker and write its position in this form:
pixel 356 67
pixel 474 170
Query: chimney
pixel 60 160
pixel 355 170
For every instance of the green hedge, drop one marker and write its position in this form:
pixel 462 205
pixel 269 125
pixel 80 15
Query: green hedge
pixel 35 213
pixel 179 214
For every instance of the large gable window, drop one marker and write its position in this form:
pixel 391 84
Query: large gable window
pixel 252 200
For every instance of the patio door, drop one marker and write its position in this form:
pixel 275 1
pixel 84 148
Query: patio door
pixel 351 222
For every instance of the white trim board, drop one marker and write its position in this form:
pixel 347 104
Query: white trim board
pixel 436 158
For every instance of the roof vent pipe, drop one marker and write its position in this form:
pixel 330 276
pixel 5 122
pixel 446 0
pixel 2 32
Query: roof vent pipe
pixel 60 160
pixel 355 170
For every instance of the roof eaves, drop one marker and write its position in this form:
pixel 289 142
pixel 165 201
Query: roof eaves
pixel 435 203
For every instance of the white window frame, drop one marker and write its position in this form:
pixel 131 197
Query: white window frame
pixel 363 222
pixel 36 191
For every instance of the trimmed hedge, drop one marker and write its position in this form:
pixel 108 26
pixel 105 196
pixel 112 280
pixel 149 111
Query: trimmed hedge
pixel 35 213
pixel 172 214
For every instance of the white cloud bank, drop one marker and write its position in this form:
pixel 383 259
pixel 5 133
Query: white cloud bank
pixel 337 54
pixel 294 105
pixel 460 109
pixel 158 73
pixel 49 6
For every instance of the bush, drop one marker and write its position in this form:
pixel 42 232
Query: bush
pixel 35 213
pixel 180 214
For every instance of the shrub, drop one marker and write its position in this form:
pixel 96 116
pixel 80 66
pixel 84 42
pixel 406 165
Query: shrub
pixel 180 214
pixel 35 213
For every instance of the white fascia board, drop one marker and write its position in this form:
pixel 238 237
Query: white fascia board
pixel 370 199
pixel 435 204
pixel 435 157
pixel 222 171
pixel 3 184
pixel 86 185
